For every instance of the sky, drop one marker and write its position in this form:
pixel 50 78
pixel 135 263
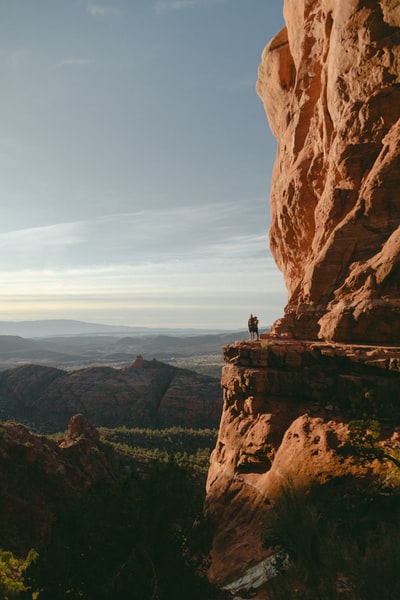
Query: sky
pixel 135 162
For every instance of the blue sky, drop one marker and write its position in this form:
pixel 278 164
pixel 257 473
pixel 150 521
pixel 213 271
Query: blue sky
pixel 135 160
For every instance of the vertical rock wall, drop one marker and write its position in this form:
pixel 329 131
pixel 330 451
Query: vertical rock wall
pixel 330 83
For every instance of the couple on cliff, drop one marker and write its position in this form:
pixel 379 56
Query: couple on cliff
pixel 253 327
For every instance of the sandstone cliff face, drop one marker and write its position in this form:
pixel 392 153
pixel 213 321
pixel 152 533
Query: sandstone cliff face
pixel 287 406
pixel 330 83
pixel 146 394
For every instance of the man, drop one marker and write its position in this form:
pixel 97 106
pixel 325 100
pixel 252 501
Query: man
pixel 251 326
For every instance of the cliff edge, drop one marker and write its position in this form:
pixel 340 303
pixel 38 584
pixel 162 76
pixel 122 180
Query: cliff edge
pixel 288 407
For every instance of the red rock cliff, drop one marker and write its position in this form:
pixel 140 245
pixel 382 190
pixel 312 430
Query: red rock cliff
pixel 287 406
pixel 330 83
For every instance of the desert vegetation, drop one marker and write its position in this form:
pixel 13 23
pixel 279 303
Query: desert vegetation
pixel 188 448
pixel 341 538
pixel 12 573
pixel 143 537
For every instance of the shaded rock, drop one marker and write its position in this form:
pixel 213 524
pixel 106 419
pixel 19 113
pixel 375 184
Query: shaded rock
pixel 39 477
pixel 146 394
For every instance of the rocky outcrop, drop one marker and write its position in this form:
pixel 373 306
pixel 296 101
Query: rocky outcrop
pixel 287 407
pixel 39 477
pixel 79 426
pixel 146 394
pixel 330 83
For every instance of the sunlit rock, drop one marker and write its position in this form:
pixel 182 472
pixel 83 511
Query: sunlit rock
pixel 330 83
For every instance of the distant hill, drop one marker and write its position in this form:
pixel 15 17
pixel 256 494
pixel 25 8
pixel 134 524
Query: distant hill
pixel 64 327
pixel 75 351
pixel 10 344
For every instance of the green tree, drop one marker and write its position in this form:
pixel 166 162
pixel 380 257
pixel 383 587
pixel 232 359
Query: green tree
pixel 12 570
pixel 363 445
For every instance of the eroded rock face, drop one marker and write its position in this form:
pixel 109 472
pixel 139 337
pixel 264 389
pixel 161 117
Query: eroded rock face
pixel 80 426
pixel 287 407
pixel 330 83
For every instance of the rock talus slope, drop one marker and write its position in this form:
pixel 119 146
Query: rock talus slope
pixel 330 83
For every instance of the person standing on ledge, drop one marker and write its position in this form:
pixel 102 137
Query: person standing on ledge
pixel 253 327
pixel 250 324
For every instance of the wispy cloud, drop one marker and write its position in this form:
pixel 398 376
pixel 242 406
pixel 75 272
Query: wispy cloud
pixel 179 234
pixel 185 294
pixel 51 245
pixel 168 5
pixel 183 263
pixel 100 10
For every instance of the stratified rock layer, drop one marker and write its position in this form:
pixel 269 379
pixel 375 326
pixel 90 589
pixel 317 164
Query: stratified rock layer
pixel 330 83
pixel 287 406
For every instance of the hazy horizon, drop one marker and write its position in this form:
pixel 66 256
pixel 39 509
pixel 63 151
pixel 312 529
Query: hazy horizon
pixel 54 322
pixel 136 161
pixel 52 328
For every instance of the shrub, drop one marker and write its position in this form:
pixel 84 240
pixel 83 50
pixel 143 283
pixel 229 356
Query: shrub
pixel 12 571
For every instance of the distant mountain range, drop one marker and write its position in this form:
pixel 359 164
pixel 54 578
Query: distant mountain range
pixel 65 327
pixel 107 349
pixel 114 349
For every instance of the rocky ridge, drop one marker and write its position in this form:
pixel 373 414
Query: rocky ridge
pixel 145 394
pixel 39 477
